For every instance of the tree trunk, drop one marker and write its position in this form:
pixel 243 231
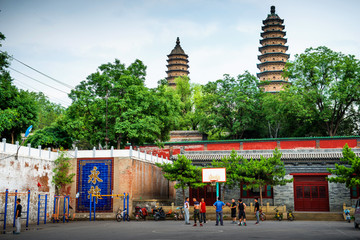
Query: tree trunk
pixel 261 202
pixel 119 142
pixel 183 190
pixel 12 137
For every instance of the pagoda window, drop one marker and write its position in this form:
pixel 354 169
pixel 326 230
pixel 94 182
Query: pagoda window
pixel 265 51
pixel 273 58
pixel 273 50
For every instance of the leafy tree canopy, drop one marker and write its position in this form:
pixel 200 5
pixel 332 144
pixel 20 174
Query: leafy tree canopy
pixel 230 105
pixel 114 103
pixel 183 173
pixel 325 87
pixel 349 171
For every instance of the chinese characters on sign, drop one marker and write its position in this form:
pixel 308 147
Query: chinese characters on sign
pixel 93 177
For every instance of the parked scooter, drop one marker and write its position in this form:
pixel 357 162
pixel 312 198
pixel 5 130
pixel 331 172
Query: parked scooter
pixel 290 215
pixel 140 213
pixel 158 214
pixel 347 215
pixel 278 215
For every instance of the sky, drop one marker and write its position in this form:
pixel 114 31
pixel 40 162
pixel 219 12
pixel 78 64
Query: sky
pixel 68 40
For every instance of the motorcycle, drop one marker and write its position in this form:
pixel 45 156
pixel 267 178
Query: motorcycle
pixel 347 215
pixel 179 215
pixel 140 213
pixel 278 215
pixel 158 214
pixel 290 215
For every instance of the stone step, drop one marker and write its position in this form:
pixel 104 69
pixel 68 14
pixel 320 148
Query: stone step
pixel 306 216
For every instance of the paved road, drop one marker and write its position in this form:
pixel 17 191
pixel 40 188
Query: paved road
pixel 151 230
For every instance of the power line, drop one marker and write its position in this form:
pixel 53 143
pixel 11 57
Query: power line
pixel 37 80
pixel 58 81
pixel 48 95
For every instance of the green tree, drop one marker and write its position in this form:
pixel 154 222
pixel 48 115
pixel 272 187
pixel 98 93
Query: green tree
pixel 349 171
pixel 325 87
pixel 48 112
pixel 189 95
pixel 61 172
pixel 53 136
pixel 232 165
pixel 113 104
pixel 266 171
pixel 183 173
pixel 230 106
pixel 18 109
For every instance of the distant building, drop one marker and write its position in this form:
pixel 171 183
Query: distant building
pixel 177 64
pixel 273 53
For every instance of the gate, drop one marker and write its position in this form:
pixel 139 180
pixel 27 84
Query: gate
pixel 311 193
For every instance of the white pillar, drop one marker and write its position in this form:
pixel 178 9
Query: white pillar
pixel 4 142
pixel 138 152
pixel 49 149
pixel 39 147
pixel 112 151
pixel 131 151
pixel 151 159
pixel 94 151
pixel 29 147
pixel 145 154
pixel 76 152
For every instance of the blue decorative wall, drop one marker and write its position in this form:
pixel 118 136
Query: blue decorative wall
pixel 95 176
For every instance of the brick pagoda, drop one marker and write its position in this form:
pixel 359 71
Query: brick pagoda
pixel 177 64
pixel 273 53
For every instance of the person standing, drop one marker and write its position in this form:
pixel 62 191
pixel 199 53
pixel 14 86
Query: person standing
pixel 203 210
pixel 186 211
pixel 219 205
pixel 242 215
pixel 256 210
pixel 197 212
pixel 233 211
pixel 18 216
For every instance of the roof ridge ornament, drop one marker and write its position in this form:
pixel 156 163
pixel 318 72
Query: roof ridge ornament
pixel 272 10
pixel 177 41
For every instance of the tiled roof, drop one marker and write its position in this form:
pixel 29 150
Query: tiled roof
pixel 301 155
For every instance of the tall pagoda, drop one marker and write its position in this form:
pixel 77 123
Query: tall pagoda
pixel 177 64
pixel 273 53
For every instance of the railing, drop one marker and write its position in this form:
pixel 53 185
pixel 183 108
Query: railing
pixel 15 150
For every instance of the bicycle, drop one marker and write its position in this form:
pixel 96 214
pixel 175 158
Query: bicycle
pixel 262 215
pixel 278 215
pixel 290 215
pixel 122 215
pixel 180 214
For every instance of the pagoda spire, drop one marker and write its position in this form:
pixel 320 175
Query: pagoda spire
pixel 177 64
pixel 273 53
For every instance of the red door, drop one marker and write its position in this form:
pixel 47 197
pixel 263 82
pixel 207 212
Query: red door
pixel 311 193
pixel 207 192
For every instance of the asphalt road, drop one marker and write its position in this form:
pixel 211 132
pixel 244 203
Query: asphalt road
pixel 177 230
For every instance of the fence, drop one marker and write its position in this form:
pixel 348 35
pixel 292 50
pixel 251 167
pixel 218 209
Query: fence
pixel 27 151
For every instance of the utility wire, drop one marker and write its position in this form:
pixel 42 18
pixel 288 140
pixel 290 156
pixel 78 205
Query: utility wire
pixel 65 84
pixel 37 80
pixel 24 85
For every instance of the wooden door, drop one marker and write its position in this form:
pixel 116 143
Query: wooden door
pixel 311 193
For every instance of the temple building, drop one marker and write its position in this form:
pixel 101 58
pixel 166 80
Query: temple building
pixel 177 64
pixel 273 53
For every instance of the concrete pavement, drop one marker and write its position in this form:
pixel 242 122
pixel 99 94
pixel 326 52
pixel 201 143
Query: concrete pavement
pixel 151 230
